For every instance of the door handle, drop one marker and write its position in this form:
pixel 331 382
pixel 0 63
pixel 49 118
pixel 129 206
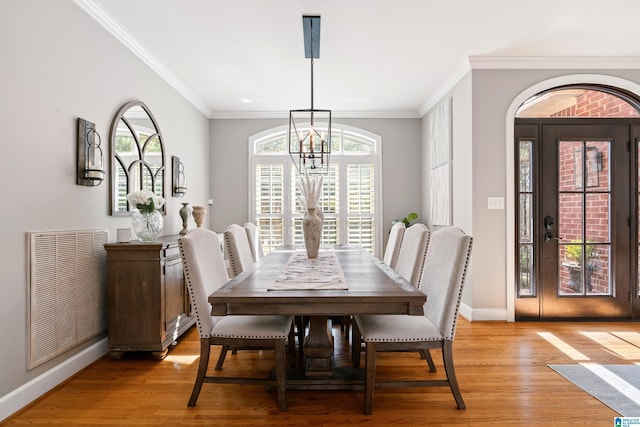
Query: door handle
pixel 548 237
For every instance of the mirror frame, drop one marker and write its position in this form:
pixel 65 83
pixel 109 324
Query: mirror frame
pixel 114 159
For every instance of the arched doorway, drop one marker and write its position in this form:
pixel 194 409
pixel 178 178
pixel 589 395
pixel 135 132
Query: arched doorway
pixel 576 204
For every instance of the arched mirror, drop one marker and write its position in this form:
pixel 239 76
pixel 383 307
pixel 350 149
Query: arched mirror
pixel 137 156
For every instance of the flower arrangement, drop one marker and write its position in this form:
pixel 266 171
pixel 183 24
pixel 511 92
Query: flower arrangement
pixel 310 191
pixel 145 200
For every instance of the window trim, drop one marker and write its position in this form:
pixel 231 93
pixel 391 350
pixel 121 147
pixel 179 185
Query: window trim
pixel 336 156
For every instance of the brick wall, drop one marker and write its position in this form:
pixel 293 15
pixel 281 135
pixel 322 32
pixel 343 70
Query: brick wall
pixel 598 104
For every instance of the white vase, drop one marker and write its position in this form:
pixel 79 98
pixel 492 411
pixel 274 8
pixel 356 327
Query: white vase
pixel 312 232
pixel 147 225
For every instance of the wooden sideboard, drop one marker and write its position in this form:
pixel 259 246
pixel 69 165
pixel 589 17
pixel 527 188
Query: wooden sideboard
pixel 147 302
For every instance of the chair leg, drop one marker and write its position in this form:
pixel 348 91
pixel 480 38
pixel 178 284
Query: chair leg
pixel 205 348
pixel 223 354
pixel 370 376
pixel 299 320
pixel 356 345
pixel 447 357
pixel 281 374
pixel 291 345
pixel 346 321
pixel 426 355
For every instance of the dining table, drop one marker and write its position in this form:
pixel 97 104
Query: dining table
pixel 343 280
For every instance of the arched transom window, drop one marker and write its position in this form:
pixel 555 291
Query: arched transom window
pixel 351 193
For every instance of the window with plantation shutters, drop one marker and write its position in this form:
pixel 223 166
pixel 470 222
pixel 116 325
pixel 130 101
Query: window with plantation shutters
pixel 351 192
pixel 269 191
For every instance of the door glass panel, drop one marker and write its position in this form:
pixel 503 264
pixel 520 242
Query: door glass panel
pixel 584 218
pixel 597 165
pixel 570 166
pixel 597 218
pixel 598 270
pixel 570 222
pixel 526 285
pixel 576 102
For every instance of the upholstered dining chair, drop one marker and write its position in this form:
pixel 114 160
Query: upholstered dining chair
pixel 253 234
pixel 410 261
pixel 412 253
pixel 392 249
pixel 204 272
pixel 238 249
pixel 442 281
pixel 241 258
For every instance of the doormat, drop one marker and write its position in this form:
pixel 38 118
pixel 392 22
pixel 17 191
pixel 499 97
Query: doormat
pixel 617 386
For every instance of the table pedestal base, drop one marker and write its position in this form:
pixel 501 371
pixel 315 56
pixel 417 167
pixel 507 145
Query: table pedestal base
pixel 318 348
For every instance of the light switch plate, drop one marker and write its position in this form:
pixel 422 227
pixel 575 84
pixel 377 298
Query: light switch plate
pixel 495 203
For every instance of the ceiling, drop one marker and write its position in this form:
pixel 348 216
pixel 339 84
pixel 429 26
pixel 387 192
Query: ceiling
pixel 378 58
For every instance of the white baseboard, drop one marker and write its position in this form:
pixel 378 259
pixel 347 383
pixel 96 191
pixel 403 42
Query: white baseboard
pixel 19 398
pixel 475 314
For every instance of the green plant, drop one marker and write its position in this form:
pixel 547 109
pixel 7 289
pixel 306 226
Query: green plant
pixel 410 218
pixel 573 252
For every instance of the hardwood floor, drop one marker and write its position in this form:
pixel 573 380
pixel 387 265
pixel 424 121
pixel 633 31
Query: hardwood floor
pixel 501 367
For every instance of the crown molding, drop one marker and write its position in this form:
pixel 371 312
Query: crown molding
pixel 527 62
pixel 453 78
pixel 226 115
pixel 376 114
pixel 96 11
pixel 554 62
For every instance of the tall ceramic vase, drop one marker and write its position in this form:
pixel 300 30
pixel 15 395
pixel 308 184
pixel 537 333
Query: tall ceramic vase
pixel 312 231
pixel 185 213
pixel 199 212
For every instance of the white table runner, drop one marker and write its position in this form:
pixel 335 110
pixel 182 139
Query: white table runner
pixel 302 273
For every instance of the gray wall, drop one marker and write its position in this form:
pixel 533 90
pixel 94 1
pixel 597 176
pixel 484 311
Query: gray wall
pixel 57 65
pixel 401 154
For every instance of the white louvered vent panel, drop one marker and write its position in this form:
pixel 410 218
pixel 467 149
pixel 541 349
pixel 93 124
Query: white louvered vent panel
pixel 67 291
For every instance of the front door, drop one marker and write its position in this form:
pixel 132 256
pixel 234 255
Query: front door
pixel 576 218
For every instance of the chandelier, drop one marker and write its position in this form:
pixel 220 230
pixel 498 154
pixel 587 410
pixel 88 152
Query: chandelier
pixel 310 129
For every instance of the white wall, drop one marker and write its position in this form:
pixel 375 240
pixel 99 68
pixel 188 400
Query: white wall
pixel 57 65
pixel 401 153
pixel 462 166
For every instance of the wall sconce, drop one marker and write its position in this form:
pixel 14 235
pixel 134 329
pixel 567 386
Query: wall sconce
pixel 178 178
pixel 90 170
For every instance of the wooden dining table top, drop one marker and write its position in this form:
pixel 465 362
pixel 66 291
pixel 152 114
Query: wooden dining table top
pixel 373 288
